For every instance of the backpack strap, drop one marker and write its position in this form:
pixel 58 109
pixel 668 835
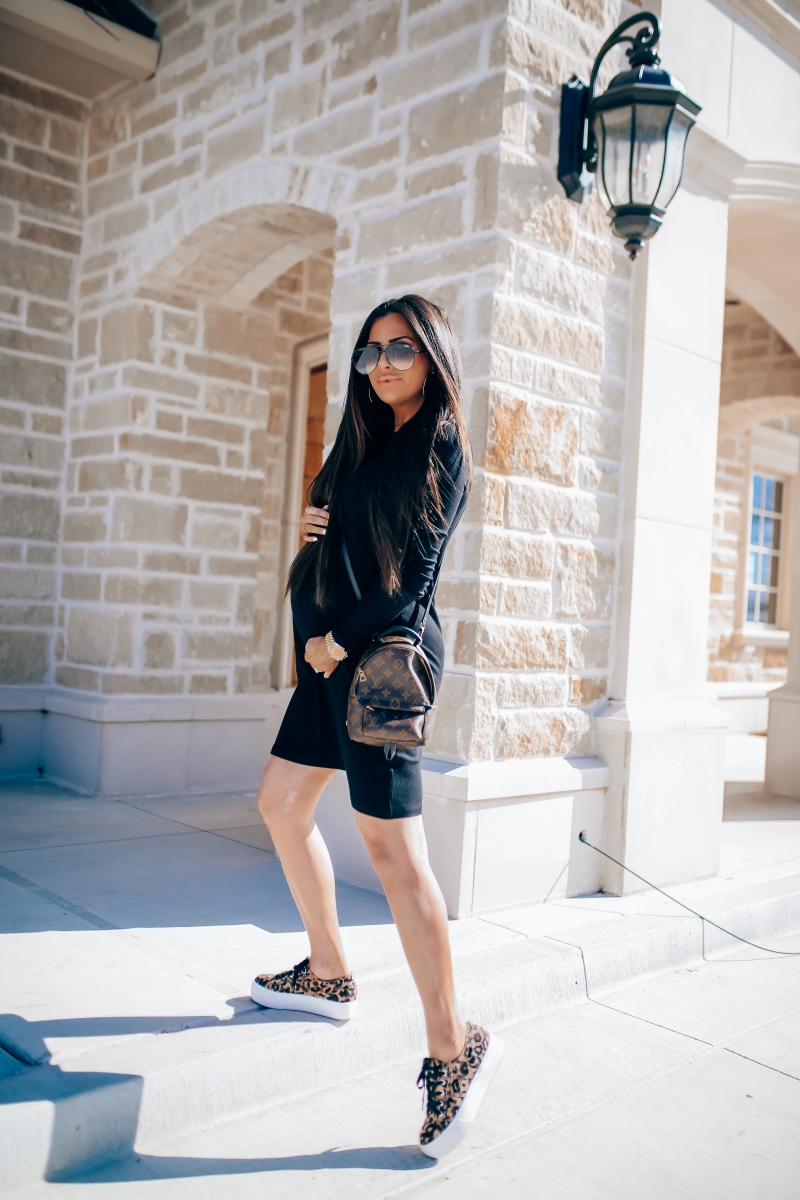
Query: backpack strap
pixel 350 570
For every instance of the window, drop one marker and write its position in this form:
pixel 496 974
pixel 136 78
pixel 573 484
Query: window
pixel 763 557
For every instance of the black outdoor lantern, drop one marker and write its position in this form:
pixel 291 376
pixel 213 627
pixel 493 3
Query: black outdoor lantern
pixel 633 136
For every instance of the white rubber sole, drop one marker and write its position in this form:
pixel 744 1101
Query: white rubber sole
pixel 340 1011
pixel 459 1127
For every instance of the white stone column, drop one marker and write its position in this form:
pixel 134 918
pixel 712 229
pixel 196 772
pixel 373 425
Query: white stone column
pixel 783 737
pixel 664 743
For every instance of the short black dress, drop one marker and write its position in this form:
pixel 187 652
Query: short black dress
pixel 314 731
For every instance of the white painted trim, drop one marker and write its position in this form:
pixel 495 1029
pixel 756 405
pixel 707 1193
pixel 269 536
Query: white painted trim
pixel 762 635
pixel 69 28
pixel 306 356
pixel 138 709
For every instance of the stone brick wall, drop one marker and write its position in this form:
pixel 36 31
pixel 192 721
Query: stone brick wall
pixel 418 139
pixel 41 208
pixel 760 384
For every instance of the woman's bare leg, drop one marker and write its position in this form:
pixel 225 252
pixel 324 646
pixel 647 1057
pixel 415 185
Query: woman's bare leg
pixel 399 854
pixel 287 800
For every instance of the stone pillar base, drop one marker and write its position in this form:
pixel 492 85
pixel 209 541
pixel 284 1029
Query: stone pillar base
pixel 503 834
pixel 783 741
pixel 135 746
pixel 664 805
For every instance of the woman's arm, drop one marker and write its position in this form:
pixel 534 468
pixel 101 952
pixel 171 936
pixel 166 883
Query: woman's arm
pixel 376 609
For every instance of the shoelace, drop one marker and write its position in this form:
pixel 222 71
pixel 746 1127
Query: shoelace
pixel 433 1078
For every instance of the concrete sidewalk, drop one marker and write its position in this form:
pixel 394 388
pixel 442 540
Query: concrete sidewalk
pixel 127 921
pixel 680 1088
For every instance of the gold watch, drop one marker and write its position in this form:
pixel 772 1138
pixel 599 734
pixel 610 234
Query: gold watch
pixel 334 649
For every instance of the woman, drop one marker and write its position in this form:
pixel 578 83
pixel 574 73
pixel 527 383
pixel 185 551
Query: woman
pixel 381 509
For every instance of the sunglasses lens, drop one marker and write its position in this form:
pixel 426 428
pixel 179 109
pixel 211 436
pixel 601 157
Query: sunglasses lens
pixel 400 356
pixel 365 361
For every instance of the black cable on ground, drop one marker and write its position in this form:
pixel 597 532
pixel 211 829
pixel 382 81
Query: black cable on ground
pixel 706 920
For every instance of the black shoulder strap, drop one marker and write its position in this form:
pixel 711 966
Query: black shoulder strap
pixel 350 570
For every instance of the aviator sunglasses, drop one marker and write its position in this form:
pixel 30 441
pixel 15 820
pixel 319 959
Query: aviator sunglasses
pixel 399 355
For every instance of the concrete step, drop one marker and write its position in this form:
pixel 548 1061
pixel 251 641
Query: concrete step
pixel 98 1104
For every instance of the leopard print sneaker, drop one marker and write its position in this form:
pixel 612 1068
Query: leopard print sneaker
pixel 455 1091
pixel 301 990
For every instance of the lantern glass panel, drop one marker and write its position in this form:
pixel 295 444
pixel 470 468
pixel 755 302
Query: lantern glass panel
pixel 612 131
pixel 649 144
pixel 677 134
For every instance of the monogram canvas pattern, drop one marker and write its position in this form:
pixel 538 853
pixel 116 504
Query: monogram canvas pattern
pixel 446 1083
pixel 302 981
pixel 392 696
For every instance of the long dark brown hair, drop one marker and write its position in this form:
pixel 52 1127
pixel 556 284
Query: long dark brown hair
pixel 408 491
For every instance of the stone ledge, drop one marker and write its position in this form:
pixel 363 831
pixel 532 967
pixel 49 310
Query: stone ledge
pixel 523 777
pixel 138 709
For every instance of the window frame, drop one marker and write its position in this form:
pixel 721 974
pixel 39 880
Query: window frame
pixel 774 453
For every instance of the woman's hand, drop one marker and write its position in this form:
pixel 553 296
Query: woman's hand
pixel 313 523
pixel 316 654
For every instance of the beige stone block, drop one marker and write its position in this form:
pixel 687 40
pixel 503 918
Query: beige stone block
pixel 49 195
pixel 216 488
pixel 99 639
pixel 155 381
pixel 49 317
pixel 366 40
pixel 585 691
pixel 47 423
pixel 142 685
pixel 432 221
pixel 28 583
pixel 585 580
pixel 371 156
pixel 28 614
pixel 106 557
pixel 179 327
pixel 434 179
pixel 23 656
pixel 217 369
pixel 153 118
pixel 12 418
pixel 159 651
pixel 234 147
pixel 125 223
pixel 296 104
pixel 537 734
pixel 266 33
pixel 238 334
pixel 84 527
pixel 532 439
pixel 516 554
pixel 47 235
pixel 80 586
pixel 558 282
pixel 30 517
pixel 566 384
pixel 505 644
pixel 127 333
pixel 374 185
pixel 90 447
pixel 460 118
pixel 132 589
pixel 337 133
pixel 486 501
pixel 589 648
pixel 231 566
pixel 454 20
pixel 35 453
pixel 78 677
pixel 216 646
pixel 212 97
pixel 601 435
pixel 40 554
pixel 531 691
pixel 526 600
pixel 108 193
pixel 406 83
pixel 179 449
pixel 172 562
pixel 530 206
pixel 170 173
pixel 211 595
pixel 206 685
pixel 22 123
pixel 34 271
pixel 32 382
pixel 171 422
pixel 525 326
pixel 138 520
pixel 277 61
pixel 216 535
pixel 110 475
pixel 156 148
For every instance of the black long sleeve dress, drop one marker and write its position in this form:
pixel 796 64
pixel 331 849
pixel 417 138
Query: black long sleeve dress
pixel 313 731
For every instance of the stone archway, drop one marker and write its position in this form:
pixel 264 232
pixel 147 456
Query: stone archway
pixel 193 374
